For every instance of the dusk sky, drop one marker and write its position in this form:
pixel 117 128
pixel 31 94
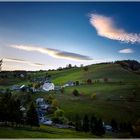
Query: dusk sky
pixel 47 35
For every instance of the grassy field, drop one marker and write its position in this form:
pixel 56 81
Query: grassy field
pixel 113 98
pixel 98 71
pixel 42 132
pixel 108 103
pixel 103 106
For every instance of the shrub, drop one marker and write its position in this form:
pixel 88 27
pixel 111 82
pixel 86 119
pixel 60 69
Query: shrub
pixel 85 68
pixel 136 128
pixel 62 90
pixel 55 103
pixel 106 79
pixel 93 96
pixel 77 83
pixel 50 98
pixel 59 113
pixel 89 81
pixel 75 92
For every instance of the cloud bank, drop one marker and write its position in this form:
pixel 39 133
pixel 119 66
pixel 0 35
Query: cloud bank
pixel 126 50
pixel 53 52
pixel 106 27
pixel 23 62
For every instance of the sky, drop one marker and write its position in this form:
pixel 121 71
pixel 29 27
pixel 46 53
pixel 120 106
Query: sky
pixel 48 35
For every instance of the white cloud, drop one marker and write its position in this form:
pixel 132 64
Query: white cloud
pixel 53 52
pixel 126 50
pixel 106 27
pixel 23 62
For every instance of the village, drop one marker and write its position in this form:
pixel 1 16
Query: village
pixel 69 104
pixel 43 107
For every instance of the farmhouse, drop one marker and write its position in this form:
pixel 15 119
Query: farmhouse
pixel 48 86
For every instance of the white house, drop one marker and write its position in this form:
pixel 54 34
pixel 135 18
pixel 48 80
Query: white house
pixel 48 86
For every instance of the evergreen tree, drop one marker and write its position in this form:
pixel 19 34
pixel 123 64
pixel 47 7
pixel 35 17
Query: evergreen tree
pixel 1 61
pixel 86 123
pixel 130 128
pixel 114 125
pixel 32 117
pixel 78 126
pixel 93 124
pixel 75 92
pixel 18 112
pixel 10 109
pixel 100 128
pixel 5 105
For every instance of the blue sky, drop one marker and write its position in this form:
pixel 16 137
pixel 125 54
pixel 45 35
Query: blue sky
pixel 47 35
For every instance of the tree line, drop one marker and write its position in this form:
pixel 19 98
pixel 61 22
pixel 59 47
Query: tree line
pixel 93 125
pixel 96 125
pixel 11 113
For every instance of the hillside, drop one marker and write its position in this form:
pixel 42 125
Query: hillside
pixel 112 94
pixel 113 98
pixel 114 72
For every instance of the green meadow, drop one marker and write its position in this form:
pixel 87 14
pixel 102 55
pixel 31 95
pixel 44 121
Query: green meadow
pixel 113 99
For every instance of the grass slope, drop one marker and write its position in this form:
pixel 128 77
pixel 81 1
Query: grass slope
pixel 42 132
pixel 107 104
pixel 97 71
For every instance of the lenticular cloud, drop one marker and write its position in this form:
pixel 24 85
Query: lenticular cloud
pixel 53 52
pixel 105 27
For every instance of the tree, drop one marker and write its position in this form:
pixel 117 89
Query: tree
pixel 50 98
pixel 78 125
pixel 89 81
pixel 10 109
pixel 62 90
pixel 86 68
pixel 59 113
pixel 86 123
pixel 69 66
pixel 136 128
pixel 93 124
pixel 114 125
pixel 100 128
pixel 60 68
pixel 106 79
pixel 77 83
pixel 1 61
pixel 93 96
pixel 32 117
pixel 81 65
pixel 15 115
pixel 75 92
pixel 59 117
pixel 130 128
pixel 55 103
pixel 5 105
